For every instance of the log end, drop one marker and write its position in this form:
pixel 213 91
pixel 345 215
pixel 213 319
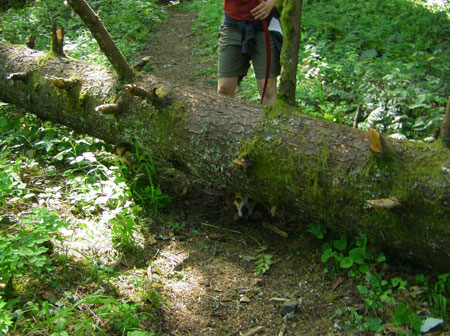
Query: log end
pixel 139 65
pixel 31 41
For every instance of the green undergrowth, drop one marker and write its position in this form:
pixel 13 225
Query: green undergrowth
pixel 388 57
pixel 59 192
pixel 405 303
pixel 129 22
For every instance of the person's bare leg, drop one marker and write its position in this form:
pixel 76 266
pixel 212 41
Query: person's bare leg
pixel 227 86
pixel 271 91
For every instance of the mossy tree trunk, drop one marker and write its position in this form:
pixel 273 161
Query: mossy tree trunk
pixel 291 21
pixel 311 169
pixel 445 128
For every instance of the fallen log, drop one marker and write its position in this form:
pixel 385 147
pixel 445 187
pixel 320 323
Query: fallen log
pixel 310 169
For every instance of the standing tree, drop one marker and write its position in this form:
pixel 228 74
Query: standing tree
pixel 291 22
pixel 445 128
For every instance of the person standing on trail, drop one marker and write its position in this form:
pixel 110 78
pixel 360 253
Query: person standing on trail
pixel 250 30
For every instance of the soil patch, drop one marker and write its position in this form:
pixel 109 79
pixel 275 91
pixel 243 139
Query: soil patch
pixel 175 54
pixel 205 262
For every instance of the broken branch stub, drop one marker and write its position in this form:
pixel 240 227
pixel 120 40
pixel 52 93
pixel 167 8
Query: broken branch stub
pixel 61 83
pixel 18 76
pixel 57 46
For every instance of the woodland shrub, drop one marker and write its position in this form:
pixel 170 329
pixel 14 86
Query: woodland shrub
pixel 129 23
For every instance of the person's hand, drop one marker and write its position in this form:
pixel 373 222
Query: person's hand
pixel 263 10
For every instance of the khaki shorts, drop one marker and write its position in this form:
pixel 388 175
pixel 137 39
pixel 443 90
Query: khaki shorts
pixel 232 63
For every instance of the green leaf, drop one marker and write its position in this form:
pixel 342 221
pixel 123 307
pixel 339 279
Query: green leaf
pixel 358 255
pixel 361 241
pixel 363 290
pixel 317 230
pixel 381 258
pixel 401 314
pixel 416 322
pixel 374 324
pixel 399 282
pixel 364 268
pixel 327 254
pixel 341 243
pixel 346 262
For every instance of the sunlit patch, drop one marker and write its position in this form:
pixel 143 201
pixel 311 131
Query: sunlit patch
pixel 183 285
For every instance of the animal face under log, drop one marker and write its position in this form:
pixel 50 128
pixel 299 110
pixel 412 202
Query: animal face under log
pixel 244 206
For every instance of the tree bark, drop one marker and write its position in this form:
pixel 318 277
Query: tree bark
pixel 310 169
pixel 445 127
pixel 291 21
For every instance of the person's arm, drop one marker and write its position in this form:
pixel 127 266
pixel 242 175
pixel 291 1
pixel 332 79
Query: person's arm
pixel 263 10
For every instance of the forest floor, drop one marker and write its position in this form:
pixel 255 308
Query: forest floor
pixel 175 53
pixel 215 291
pixel 201 259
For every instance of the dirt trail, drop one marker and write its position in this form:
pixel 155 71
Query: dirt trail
pixel 175 55
pixel 204 260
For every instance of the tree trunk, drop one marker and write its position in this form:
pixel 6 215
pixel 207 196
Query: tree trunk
pixel 445 127
pixel 312 170
pixel 291 19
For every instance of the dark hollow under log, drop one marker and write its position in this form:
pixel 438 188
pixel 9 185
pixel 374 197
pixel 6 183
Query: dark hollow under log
pixel 311 170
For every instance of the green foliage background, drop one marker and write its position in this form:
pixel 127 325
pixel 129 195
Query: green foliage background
pixel 389 56
pixel 128 21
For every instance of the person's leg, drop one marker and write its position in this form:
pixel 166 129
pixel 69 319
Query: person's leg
pixel 271 91
pixel 227 86
pixel 259 65
pixel 232 63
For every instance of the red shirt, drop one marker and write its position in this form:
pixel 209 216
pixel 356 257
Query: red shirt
pixel 240 9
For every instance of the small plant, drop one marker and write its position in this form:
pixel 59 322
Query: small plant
pixel 23 253
pixel 10 184
pixel 6 317
pixel 122 315
pixel 317 230
pixel 378 291
pixel 263 261
pixel 438 297
pixel 142 183
pixel 357 256
pixel 405 316
pixel 124 227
